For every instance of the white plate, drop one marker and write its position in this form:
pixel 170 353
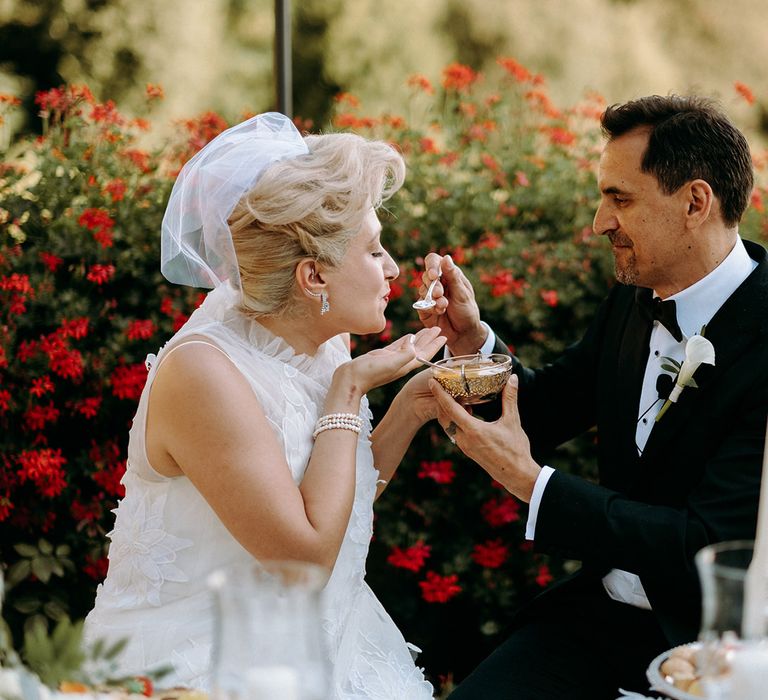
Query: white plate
pixel 659 682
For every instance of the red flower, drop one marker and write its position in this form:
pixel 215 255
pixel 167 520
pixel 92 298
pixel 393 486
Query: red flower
pixel 16 283
pixel 37 416
pixel 549 296
pixel 503 283
pixel 544 577
pixel 166 306
pixel 745 92
pixel 26 349
pixel 116 189
pixel 500 511
pixel 44 468
pixel 82 512
pixel 96 568
pixel 89 406
pixel 427 145
pixel 106 113
pixel 441 472
pixel 346 98
pixel 421 82
pixel 395 290
pixel 492 554
pixel 5 400
pixel 139 158
pixel 51 261
pixel 95 219
pixel 458 77
pixel 99 274
pixel 140 330
pixel 560 136
pixel 411 558
pixel 109 479
pixel 154 91
pixel 100 223
pixel 439 589
pixel 76 328
pixel 179 320
pixel 41 385
pixel 519 72
pixel 62 360
pixel 128 380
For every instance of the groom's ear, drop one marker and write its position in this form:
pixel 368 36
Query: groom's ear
pixel 699 200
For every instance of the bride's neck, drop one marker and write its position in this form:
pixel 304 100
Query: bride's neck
pixel 299 334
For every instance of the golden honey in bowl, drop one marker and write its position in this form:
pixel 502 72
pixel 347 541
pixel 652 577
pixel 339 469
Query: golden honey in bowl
pixel 473 379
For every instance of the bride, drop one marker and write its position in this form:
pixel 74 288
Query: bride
pixel 252 439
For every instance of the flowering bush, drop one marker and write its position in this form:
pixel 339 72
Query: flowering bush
pixel 498 176
pixel 504 181
pixel 82 301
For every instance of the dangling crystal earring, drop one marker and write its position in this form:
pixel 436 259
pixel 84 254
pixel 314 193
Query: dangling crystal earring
pixel 325 307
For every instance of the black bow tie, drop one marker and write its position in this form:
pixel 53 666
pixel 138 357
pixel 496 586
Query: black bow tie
pixel 662 311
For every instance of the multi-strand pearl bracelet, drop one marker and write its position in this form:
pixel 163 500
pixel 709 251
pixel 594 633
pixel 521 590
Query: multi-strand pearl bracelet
pixel 338 421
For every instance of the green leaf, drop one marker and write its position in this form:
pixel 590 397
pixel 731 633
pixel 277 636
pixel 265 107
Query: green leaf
pixel 41 567
pixel 670 368
pixel 45 546
pixel 26 550
pixel 692 382
pixel 63 550
pixel 18 572
pixel 115 649
pixel 27 605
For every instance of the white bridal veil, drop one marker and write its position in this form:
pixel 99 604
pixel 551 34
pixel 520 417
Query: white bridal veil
pixel 196 244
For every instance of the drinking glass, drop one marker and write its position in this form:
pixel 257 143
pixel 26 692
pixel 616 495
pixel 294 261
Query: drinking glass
pixel 727 658
pixel 268 638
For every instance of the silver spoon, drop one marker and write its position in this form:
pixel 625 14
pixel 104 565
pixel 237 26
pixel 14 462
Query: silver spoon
pixel 427 302
pixel 427 362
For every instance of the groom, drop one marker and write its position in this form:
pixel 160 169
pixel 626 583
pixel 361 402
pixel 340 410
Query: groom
pixel 675 178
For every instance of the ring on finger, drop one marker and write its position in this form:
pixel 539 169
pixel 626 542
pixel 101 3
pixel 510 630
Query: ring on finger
pixel 450 431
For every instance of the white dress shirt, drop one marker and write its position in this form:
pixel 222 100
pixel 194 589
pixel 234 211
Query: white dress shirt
pixel 695 307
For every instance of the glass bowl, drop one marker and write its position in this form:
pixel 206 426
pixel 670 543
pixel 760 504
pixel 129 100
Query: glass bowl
pixel 473 379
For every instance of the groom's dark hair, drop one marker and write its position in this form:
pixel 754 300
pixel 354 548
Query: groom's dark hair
pixel 689 138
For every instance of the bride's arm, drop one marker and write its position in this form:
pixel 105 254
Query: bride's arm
pixel 211 427
pixel 205 421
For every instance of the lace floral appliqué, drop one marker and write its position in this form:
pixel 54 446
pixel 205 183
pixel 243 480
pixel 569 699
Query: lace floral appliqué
pixel 142 554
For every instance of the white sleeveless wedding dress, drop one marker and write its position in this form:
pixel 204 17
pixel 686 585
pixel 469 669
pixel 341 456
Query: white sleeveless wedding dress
pixel 167 539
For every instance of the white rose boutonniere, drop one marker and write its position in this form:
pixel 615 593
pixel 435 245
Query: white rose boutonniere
pixel 698 351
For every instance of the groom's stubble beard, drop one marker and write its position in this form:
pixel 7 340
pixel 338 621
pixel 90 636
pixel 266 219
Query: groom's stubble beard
pixel 626 272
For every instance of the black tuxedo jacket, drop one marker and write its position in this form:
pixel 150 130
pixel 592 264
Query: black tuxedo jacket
pixel 698 479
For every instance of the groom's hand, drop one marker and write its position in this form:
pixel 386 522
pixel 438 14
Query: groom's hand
pixel 455 310
pixel 500 447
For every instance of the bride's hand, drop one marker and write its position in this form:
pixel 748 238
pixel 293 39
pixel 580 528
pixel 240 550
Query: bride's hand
pixel 386 364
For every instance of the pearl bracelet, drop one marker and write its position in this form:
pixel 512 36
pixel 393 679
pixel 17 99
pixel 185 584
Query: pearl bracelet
pixel 338 421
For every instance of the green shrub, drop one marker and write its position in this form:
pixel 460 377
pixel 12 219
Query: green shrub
pixel 498 176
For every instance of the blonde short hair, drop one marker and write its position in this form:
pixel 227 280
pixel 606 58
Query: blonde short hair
pixel 308 206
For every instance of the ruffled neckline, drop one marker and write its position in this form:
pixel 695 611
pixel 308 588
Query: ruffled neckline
pixel 221 305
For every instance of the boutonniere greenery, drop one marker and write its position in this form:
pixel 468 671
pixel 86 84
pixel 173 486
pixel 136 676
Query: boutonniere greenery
pixel 698 351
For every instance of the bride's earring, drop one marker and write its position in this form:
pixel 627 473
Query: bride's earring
pixel 325 307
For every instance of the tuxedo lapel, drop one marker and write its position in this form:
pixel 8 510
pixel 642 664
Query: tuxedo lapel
pixel 732 330
pixel 621 422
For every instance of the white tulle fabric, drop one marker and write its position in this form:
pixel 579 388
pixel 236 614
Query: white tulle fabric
pixel 167 539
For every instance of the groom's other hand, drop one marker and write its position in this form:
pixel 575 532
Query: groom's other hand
pixel 455 311
pixel 501 447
